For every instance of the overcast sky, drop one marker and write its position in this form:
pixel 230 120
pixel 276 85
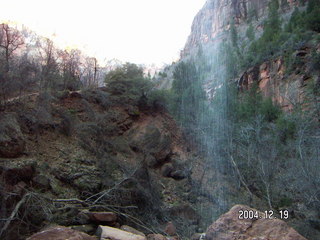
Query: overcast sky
pixel 139 31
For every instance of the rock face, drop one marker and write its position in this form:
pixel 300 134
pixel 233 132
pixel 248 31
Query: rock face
pixel 12 143
pixel 230 227
pixel 285 89
pixel 211 28
pixel 215 18
pixel 270 78
pixel 60 233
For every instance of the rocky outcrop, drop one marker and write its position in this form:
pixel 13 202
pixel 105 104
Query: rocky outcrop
pixel 60 232
pixel 230 227
pixel 12 142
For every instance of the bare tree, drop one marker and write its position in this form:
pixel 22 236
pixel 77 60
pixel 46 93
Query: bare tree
pixel 308 156
pixel 48 62
pixel 70 68
pixel 10 40
pixel 255 158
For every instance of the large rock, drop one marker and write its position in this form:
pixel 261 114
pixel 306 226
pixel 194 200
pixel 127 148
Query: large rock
pixel 12 142
pixel 170 229
pixel 60 233
pixel 117 234
pixel 132 230
pixel 230 227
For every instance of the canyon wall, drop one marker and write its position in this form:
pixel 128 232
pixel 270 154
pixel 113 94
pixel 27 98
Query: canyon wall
pixel 213 21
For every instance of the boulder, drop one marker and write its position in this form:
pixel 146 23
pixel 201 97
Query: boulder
pixel 61 233
pixel 230 227
pixel 132 230
pixel 105 232
pixel 12 142
pixel 170 229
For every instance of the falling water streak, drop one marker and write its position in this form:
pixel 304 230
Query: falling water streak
pixel 213 137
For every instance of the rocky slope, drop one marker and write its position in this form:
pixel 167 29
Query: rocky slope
pixel 96 150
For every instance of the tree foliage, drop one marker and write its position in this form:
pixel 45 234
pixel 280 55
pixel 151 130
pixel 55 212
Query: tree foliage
pixel 127 71
pixel 253 104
